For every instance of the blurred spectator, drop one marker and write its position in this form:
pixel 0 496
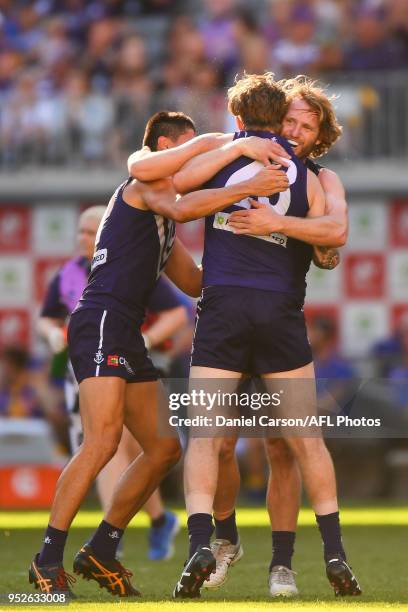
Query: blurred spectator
pixel 334 373
pixel 389 355
pixel 252 45
pixel 25 392
pixel 217 29
pixel 398 25
pixel 328 363
pixel 278 21
pixel 371 48
pixel 400 370
pixel 298 52
pixel 79 78
pixel 204 92
pixel 18 397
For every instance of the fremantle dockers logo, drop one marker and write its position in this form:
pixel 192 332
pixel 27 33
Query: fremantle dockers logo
pixel 99 357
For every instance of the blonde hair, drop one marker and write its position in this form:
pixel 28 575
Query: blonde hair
pixel 258 100
pixel 320 102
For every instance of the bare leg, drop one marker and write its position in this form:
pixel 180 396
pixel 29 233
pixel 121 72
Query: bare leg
pixel 113 470
pixel 159 454
pixel 229 480
pixel 154 506
pixel 284 486
pixel 202 455
pixel 128 450
pixel 101 405
pixel 311 453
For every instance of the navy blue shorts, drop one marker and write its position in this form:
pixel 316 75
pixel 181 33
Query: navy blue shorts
pixel 250 331
pixel 104 343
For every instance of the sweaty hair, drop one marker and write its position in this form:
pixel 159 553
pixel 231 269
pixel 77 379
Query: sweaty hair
pixel 320 103
pixel 166 123
pixel 259 100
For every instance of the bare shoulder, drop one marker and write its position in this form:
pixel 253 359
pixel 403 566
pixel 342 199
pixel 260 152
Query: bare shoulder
pixel 315 194
pixel 329 178
pixel 312 182
pixel 134 193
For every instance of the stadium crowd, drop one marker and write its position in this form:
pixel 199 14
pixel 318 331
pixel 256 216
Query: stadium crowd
pixel 78 79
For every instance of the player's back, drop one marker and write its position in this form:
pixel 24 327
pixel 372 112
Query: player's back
pixel 132 247
pixel 274 262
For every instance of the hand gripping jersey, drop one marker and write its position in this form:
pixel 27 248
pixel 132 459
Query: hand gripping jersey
pixel 132 248
pixel 274 262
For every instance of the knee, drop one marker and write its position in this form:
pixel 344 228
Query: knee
pixel 279 452
pixel 227 450
pixel 308 448
pixel 166 454
pixel 102 443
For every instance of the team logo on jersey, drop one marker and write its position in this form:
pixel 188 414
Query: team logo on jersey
pixel 221 222
pixel 99 357
pixel 99 258
pixel 113 360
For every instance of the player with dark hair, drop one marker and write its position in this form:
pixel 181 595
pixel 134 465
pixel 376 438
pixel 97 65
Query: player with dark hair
pixel 164 126
pixel 117 381
pixel 170 315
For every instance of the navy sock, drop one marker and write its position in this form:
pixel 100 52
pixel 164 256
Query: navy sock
pixel 200 530
pixel 105 541
pixel 329 525
pixel 52 552
pixel 226 529
pixel 283 543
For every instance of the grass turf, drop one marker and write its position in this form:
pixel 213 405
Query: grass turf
pixel 374 538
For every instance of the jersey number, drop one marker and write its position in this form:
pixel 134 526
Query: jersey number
pixel 282 205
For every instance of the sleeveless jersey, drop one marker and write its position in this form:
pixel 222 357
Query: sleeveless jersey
pixel 274 262
pixel 131 250
pixel 313 166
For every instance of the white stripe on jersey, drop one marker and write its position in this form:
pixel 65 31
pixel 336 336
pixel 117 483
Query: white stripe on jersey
pixel 166 230
pixel 162 240
pixel 100 338
pixel 198 312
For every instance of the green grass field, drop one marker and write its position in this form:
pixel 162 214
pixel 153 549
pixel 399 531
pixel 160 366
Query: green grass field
pixel 375 538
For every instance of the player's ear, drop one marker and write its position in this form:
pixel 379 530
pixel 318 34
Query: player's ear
pixel 163 143
pixel 240 123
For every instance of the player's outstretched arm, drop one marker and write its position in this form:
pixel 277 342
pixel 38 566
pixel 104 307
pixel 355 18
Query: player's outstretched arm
pixel 202 168
pixel 316 229
pixel 199 204
pixel 183 271
pixel 146 165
